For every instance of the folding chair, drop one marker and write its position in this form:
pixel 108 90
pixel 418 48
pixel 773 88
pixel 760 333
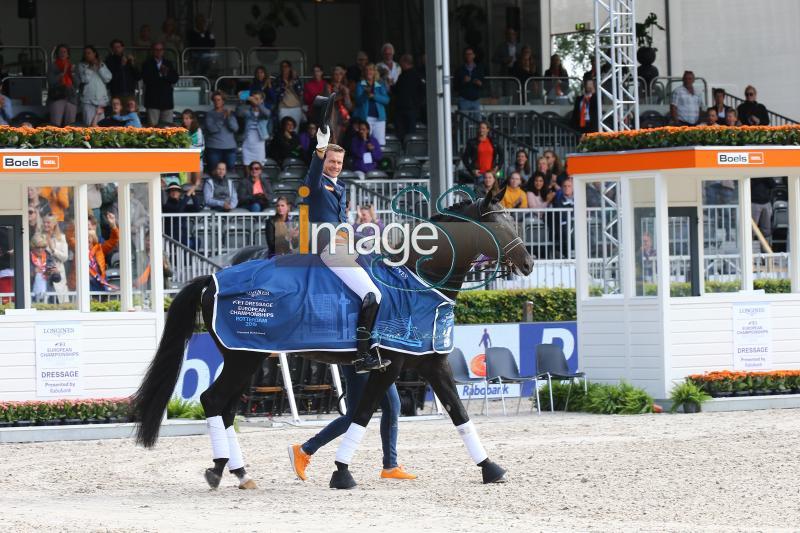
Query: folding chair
pixel 501 368
pixel 551 363
pixel 458 364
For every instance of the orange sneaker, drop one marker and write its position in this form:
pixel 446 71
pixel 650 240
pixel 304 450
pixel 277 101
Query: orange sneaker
pixel 397 473
pixel 299 460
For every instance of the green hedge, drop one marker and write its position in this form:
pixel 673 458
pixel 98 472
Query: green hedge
pixel 487 307
pixel 668 137
pixel 52 137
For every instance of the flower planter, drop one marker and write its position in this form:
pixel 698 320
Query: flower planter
pixel 23 423
pixel 691 407
pixel 761 392
pixel 50 422
pixel 5 424
pixel 723 394
pixel 72 421
pixel 741 393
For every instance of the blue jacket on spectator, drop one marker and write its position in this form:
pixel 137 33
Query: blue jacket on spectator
pixel 131 120
pixel 361 107
pixel 217 192
pixel 219 131
pixel 262 120
pixel 357 150
pixel 6 112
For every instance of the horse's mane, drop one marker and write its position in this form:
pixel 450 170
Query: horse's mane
pixel 458 206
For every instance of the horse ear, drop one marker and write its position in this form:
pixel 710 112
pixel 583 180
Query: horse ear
pixel 499 196
pixel 486 203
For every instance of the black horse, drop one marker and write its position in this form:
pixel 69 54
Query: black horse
pixel 448 266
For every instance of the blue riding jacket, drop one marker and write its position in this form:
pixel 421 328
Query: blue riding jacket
pixel 327 201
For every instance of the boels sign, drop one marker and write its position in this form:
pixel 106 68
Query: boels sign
pixel 740 158
pixel 30 162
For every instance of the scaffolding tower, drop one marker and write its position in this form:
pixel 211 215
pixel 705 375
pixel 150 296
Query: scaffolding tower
pixel 615 64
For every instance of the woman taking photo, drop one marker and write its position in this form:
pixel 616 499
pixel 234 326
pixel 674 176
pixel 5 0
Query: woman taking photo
pixel 93 75
pixel 62 96
pixel 282 233
pixel 289 94
pixel 256 129
pixel 371 101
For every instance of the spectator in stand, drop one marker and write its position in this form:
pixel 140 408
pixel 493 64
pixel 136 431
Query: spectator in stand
pixel 200 36
pixel 719 105
pixel 761 205
pixel 6 111
pixel 388 69
pixel 43 269
pixel 170 37
pixel 124 76
pixel 289 94
pixel 539 194
pixel 712 119
pixel 219 127
pixel 408 92
pixel 58 200
pixel 543 170
pixel 686 104
pixel 468 81
pixel 314 87
pixel 564 199
pixel 553 162
pixel 59 250
pixel 366 215
pixel 584 113
pixel 525 67
pixel 255 191
pixel 189 121
pixel 308 141
pixel 282 232
pixel 488 186
pixel 219 192
pixel 751 113
pixel 144 40
pixel 514 197
pixel 365 151
pixel 34 219
pixel 126 114
pixel 356 72
pixel 159 75
pixel 256 128
pixel 481 156
pixel 344 102
pixel 93 75
pixel 262 82
pixel 372 97
pixel 98 253
pixel 732 118
pixel 62 94
pixel 557 87
pixel 285 143
pixel 522 165
pixel 179 202
pixel 506 54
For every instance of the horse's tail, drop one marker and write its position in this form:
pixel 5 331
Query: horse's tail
pixel 149 402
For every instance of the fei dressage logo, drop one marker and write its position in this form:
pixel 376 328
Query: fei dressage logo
pixel 30 162
pixel 740 158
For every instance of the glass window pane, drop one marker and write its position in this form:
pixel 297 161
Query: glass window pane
pixel 602 219
pixel 770 211
pixel 140 246
pixel 721 246
pixel 104 236
pixel 51 230
pixel 644 236
pixel 7 268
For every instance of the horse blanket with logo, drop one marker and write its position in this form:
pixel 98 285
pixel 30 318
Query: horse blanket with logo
pixel 294 303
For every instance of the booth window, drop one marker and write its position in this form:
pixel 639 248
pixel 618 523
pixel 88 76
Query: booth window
pixel 769 208
pixel 722 265
pixel 51 239
pixel 603 233
pixel 104 239
pixel 644 236
pixel 140 246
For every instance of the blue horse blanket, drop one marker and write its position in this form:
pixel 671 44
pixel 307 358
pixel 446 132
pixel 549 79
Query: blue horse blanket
pixel 294 303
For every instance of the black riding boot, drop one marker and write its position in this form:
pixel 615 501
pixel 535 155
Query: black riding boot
pixel 367 360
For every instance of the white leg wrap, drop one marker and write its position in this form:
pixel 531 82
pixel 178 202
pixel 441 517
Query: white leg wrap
pixel 219 439
pixel 473 443
pixel 235 460
pixel 351 440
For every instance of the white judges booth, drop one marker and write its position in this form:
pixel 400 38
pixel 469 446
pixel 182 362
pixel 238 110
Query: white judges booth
pixel 62 334
pixel 667 256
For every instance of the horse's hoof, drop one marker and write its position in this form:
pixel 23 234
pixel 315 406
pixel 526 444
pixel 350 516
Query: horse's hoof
pixel 342 479
pixel 248 484
pixel 492 472
pixel 212 478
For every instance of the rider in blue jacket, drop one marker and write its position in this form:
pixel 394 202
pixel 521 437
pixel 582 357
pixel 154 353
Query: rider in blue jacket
pixel 327 203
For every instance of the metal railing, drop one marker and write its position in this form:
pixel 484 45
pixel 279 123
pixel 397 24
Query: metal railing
pixel 465 127
pixel 775 119
pixel 192 92
pixel 661 89
pixel 212 62
pixel 31 91
pixel 270 58
pixel 185 263
pixel 24 60
pixel 547 90
pixel 496 90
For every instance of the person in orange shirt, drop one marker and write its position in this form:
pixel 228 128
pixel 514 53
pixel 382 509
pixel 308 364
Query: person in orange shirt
pixel 515 197
pixel 481 155
pixel 105 248
pixel 58 198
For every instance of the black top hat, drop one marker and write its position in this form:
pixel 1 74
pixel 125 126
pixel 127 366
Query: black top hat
pixel 323 106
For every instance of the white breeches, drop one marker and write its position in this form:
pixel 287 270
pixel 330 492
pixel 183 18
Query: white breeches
pixel 344 265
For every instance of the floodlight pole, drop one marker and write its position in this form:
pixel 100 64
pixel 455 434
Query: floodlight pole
pixel 615 48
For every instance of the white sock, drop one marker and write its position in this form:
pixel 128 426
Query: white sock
pixel 235 460
pixel 219 439
pixel 351 440
pixel 473 443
